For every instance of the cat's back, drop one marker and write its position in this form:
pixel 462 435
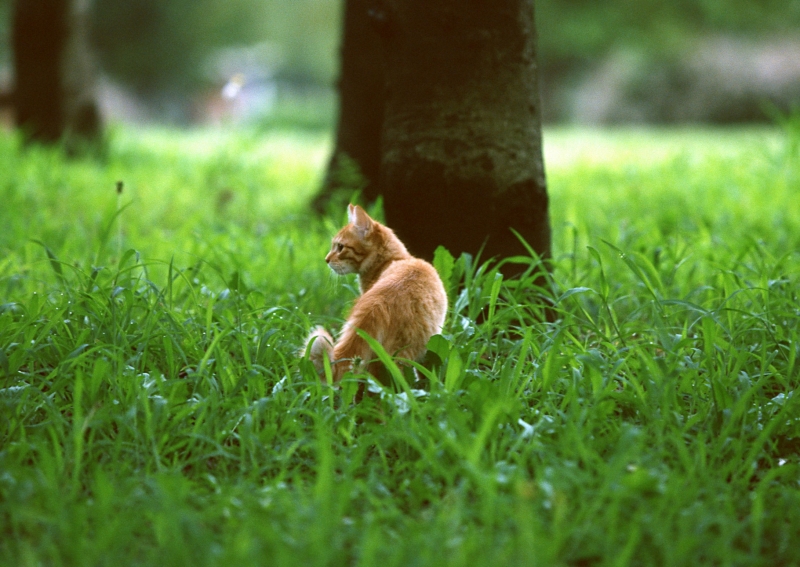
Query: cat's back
pixel 411 276
pixel 411 291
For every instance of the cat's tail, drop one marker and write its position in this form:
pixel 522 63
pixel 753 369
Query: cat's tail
pixel 321 343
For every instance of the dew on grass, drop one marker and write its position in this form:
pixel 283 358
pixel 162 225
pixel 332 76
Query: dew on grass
pixel 504 472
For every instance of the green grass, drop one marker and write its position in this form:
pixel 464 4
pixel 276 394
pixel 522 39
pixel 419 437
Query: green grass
pixel 153 410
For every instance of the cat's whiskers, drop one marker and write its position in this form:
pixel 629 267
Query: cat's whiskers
pixel 334 279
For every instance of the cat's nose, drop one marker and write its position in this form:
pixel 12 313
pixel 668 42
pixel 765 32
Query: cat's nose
pixel 328 258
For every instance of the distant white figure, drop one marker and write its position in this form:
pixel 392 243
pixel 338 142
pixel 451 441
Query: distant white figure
pixel 233 87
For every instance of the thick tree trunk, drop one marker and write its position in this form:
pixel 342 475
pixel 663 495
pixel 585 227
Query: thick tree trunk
pixel 461 146
pixel 54 81
pixel 355 162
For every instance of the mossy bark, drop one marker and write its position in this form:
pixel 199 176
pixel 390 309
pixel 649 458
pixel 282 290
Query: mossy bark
pixel 355 161
pixel 461 140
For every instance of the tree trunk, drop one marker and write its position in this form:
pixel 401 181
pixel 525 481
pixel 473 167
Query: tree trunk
pixel 355 162
pixel 53 96
pixel 461 144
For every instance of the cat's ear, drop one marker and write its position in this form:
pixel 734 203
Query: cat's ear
pixel 359 219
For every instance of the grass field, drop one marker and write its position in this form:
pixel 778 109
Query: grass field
pixel 153 410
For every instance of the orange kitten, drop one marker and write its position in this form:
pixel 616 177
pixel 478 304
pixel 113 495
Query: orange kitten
pixel 402 303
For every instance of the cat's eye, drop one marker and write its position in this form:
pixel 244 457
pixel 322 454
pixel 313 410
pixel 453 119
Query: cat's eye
pixel 339 246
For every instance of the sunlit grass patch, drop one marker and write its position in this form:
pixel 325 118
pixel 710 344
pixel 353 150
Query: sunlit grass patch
pixel 155 410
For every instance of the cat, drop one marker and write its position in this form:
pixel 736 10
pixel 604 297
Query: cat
pixel 402 303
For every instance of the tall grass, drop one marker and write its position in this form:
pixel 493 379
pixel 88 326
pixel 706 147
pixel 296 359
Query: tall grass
pixel 154 410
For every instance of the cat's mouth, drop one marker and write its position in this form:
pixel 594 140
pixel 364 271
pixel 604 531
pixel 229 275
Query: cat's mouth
pixel 341 269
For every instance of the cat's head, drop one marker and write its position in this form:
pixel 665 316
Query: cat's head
pixel 354 243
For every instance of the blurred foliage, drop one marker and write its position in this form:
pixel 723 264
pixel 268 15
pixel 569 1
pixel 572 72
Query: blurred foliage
pixel 571 31
pixel 160 45
pixel 153 44
pixel 165 45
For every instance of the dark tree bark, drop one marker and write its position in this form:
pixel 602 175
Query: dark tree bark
pixel 54 80
pixel 355 162
pixel 461 145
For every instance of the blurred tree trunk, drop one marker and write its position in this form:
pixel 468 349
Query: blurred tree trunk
pixel 54 80
pixel 355 161
pixel 461 140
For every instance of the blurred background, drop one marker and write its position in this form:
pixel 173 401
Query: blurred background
pixel 198 62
